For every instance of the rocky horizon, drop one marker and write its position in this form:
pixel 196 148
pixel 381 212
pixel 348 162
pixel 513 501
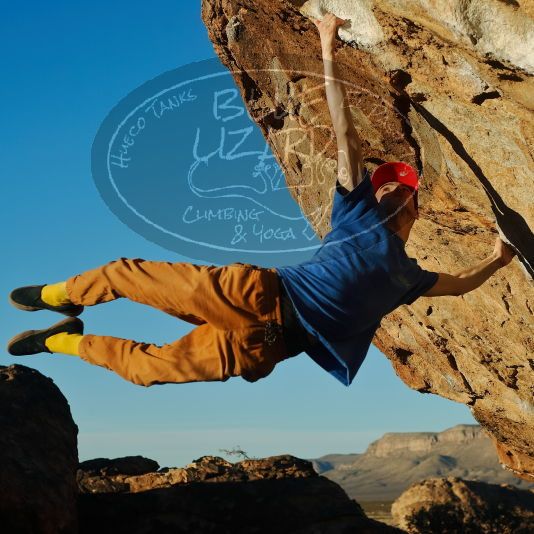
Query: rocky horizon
pixel 397 459
pixel 45 489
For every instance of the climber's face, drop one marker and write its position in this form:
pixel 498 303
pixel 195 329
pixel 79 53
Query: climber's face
pixel 397 200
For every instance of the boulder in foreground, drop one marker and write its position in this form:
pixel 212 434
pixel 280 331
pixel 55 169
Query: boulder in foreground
pixel 450 505
pixel 38 440
pixel 274 494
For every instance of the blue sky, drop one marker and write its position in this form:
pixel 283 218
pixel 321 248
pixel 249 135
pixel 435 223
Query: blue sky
pixel 65 66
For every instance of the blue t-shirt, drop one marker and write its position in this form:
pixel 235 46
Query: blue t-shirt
pixel 360 273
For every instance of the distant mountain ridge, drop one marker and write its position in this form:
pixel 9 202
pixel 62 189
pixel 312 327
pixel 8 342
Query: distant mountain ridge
pixel 423 442
pixel 397 459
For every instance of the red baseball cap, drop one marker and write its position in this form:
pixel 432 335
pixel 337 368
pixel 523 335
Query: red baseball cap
pixel 395 171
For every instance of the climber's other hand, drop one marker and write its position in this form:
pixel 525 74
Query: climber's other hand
pixel 503 252
pixel 328 28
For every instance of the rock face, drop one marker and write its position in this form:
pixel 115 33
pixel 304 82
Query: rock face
pixel 44 490
pixel 39 455
pixel 275 494
pixel 446 86
pixel 398 459
pixel 451 505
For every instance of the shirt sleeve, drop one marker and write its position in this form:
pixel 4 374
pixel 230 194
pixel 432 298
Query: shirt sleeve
pixel 419 280
pixel 354 204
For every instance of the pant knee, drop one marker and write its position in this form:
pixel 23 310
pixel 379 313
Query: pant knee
pixel 141 382
pixel 253 374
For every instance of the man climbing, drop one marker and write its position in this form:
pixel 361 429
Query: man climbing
pixel 249 318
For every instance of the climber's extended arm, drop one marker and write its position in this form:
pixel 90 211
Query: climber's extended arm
pixel 350 157
pixel 469 279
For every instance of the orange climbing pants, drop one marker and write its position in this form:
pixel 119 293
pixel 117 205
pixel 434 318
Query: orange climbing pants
pixel 236 307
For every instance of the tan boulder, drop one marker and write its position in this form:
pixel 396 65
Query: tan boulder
pixel 448 88
pixel 450 505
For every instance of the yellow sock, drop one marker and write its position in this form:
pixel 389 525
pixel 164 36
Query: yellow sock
pixel 55 294
pixel 64 342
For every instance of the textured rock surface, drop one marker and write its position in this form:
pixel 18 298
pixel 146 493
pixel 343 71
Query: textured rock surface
pixel 39 455
pixel 451 505
pixel 127 473
pixel 447 87
pixel 399 459
pixel 275 494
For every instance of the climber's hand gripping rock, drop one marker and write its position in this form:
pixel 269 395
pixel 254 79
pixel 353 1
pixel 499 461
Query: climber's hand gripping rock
pixel 328 28
pixel 503 252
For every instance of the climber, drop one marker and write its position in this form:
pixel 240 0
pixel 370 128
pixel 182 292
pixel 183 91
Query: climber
pixel 249 318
